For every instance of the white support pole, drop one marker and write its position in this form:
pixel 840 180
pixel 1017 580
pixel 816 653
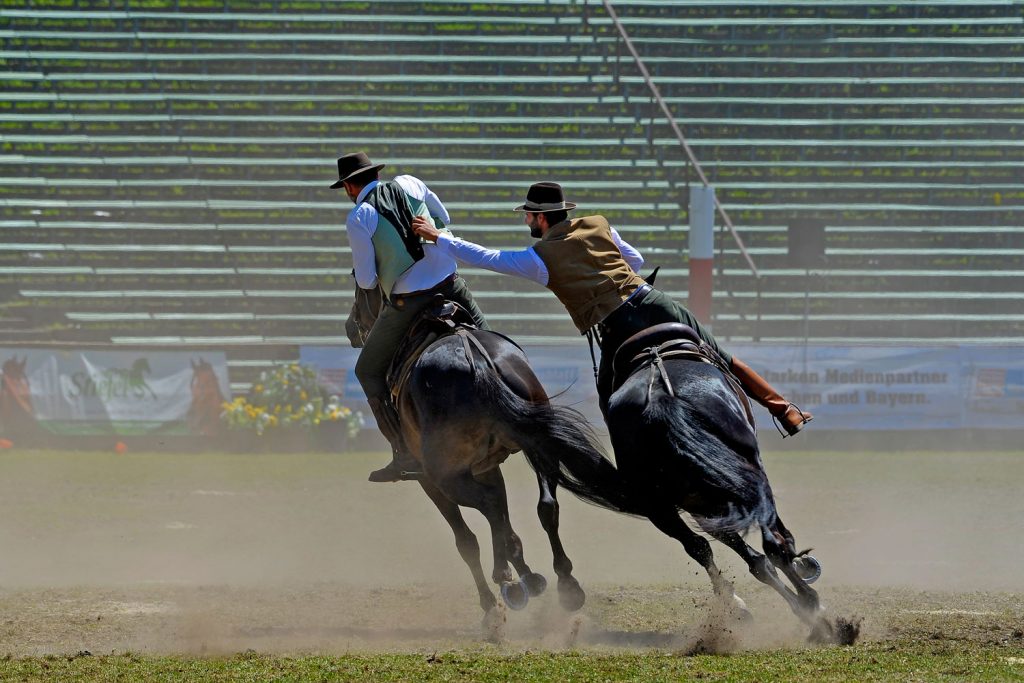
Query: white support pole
pixel 702 250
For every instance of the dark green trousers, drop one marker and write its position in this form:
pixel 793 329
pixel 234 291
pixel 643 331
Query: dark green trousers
pixel 391 327
pixel 630 318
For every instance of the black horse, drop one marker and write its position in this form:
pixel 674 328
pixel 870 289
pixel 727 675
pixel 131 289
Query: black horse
pixel 469 401
pixel 684 440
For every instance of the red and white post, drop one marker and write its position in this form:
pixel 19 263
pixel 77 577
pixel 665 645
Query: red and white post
pixel 702 250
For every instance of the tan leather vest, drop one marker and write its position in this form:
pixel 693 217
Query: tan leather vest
pixel 586 270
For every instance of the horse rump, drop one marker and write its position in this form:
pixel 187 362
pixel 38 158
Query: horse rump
pixel 691 446
pixel 558 442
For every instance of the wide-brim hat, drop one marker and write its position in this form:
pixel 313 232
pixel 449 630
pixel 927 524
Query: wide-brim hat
pixel 545 197
pixel 352 165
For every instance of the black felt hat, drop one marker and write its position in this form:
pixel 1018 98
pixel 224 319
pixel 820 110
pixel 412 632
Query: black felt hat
pixel 545 197
pixel 353 164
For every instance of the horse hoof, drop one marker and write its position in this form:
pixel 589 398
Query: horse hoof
pixel 570 595
pixel 515 594
pixel 494 625
pixel 535 583
pixel 740 611
pixel 807 568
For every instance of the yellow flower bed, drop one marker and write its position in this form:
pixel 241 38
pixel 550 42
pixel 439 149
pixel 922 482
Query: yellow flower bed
pixel 288 397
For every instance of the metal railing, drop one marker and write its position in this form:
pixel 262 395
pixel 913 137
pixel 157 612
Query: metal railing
pixel 656 95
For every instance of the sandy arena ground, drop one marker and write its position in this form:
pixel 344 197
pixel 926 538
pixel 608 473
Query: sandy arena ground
pixel 212 553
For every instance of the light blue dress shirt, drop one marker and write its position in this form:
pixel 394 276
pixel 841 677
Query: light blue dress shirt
pixel 361 223
pixel 524 263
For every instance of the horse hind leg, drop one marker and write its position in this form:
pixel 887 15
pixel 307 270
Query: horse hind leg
pixel 448 467
pixel 570 594
pixel 807 566
pixel 761 568
pixel 779 547
pixel 804 601
pixel 465 542
pixel 531 584
pixel 668 521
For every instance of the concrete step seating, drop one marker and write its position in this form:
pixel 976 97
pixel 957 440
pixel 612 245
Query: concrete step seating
pixel 142 157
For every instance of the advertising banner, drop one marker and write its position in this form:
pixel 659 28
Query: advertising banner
pixel 845 387
pixel 994 386
pixel 851 387
pixel 111 392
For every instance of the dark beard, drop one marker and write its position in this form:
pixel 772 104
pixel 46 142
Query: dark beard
pixel 535 232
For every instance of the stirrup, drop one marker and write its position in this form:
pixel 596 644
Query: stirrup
pixel 797 428
pixel 393 471
pixel 388 474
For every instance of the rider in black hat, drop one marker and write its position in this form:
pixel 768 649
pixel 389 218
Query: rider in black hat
pixel 386 252
pixel 593 272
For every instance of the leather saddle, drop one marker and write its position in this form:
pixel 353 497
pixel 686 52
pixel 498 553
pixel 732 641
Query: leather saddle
pixel 656 344
pixel 439 319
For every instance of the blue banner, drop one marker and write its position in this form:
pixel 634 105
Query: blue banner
pixel 851 387
pixel 846 387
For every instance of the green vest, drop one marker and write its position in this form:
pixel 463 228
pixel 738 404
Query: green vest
pixel 390 255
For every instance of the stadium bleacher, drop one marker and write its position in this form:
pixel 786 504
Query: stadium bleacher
pixel 164 171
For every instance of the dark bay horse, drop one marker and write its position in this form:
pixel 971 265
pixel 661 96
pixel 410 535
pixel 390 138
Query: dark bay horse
pixel 203 416
pixel 471 400
pixel 684 440
pixel 17 415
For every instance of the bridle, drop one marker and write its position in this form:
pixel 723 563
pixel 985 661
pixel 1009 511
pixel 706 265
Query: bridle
pixel 369 303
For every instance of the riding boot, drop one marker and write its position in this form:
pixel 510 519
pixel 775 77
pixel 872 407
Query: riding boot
pixel 402 465
pixel 788 414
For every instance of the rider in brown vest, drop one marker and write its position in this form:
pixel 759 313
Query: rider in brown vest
pixel 593 272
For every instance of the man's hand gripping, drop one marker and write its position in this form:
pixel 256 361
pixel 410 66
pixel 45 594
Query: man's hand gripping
pixel 425 229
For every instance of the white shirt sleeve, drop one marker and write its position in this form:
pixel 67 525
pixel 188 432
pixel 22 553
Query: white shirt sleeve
pixel 525 264
pixel 361 224
pixel 634 258
pixel 417 189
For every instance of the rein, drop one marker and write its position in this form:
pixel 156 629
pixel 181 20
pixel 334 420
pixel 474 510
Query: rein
pixel 593 336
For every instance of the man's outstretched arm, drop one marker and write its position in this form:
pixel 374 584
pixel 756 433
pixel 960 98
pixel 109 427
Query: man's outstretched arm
pixel 525 263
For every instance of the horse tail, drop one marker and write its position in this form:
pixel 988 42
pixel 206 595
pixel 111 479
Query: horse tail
pixel 710 463
pixel 559 444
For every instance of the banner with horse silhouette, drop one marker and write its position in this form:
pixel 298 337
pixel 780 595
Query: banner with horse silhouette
pixel 846 387
pixel 81 393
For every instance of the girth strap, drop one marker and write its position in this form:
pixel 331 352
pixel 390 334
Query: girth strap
pixel 469 342
pixel 658 365
pixel 655 355
pixel 686 350
pixel 445 319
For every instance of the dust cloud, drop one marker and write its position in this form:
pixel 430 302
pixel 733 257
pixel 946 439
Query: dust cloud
pixel 218 553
